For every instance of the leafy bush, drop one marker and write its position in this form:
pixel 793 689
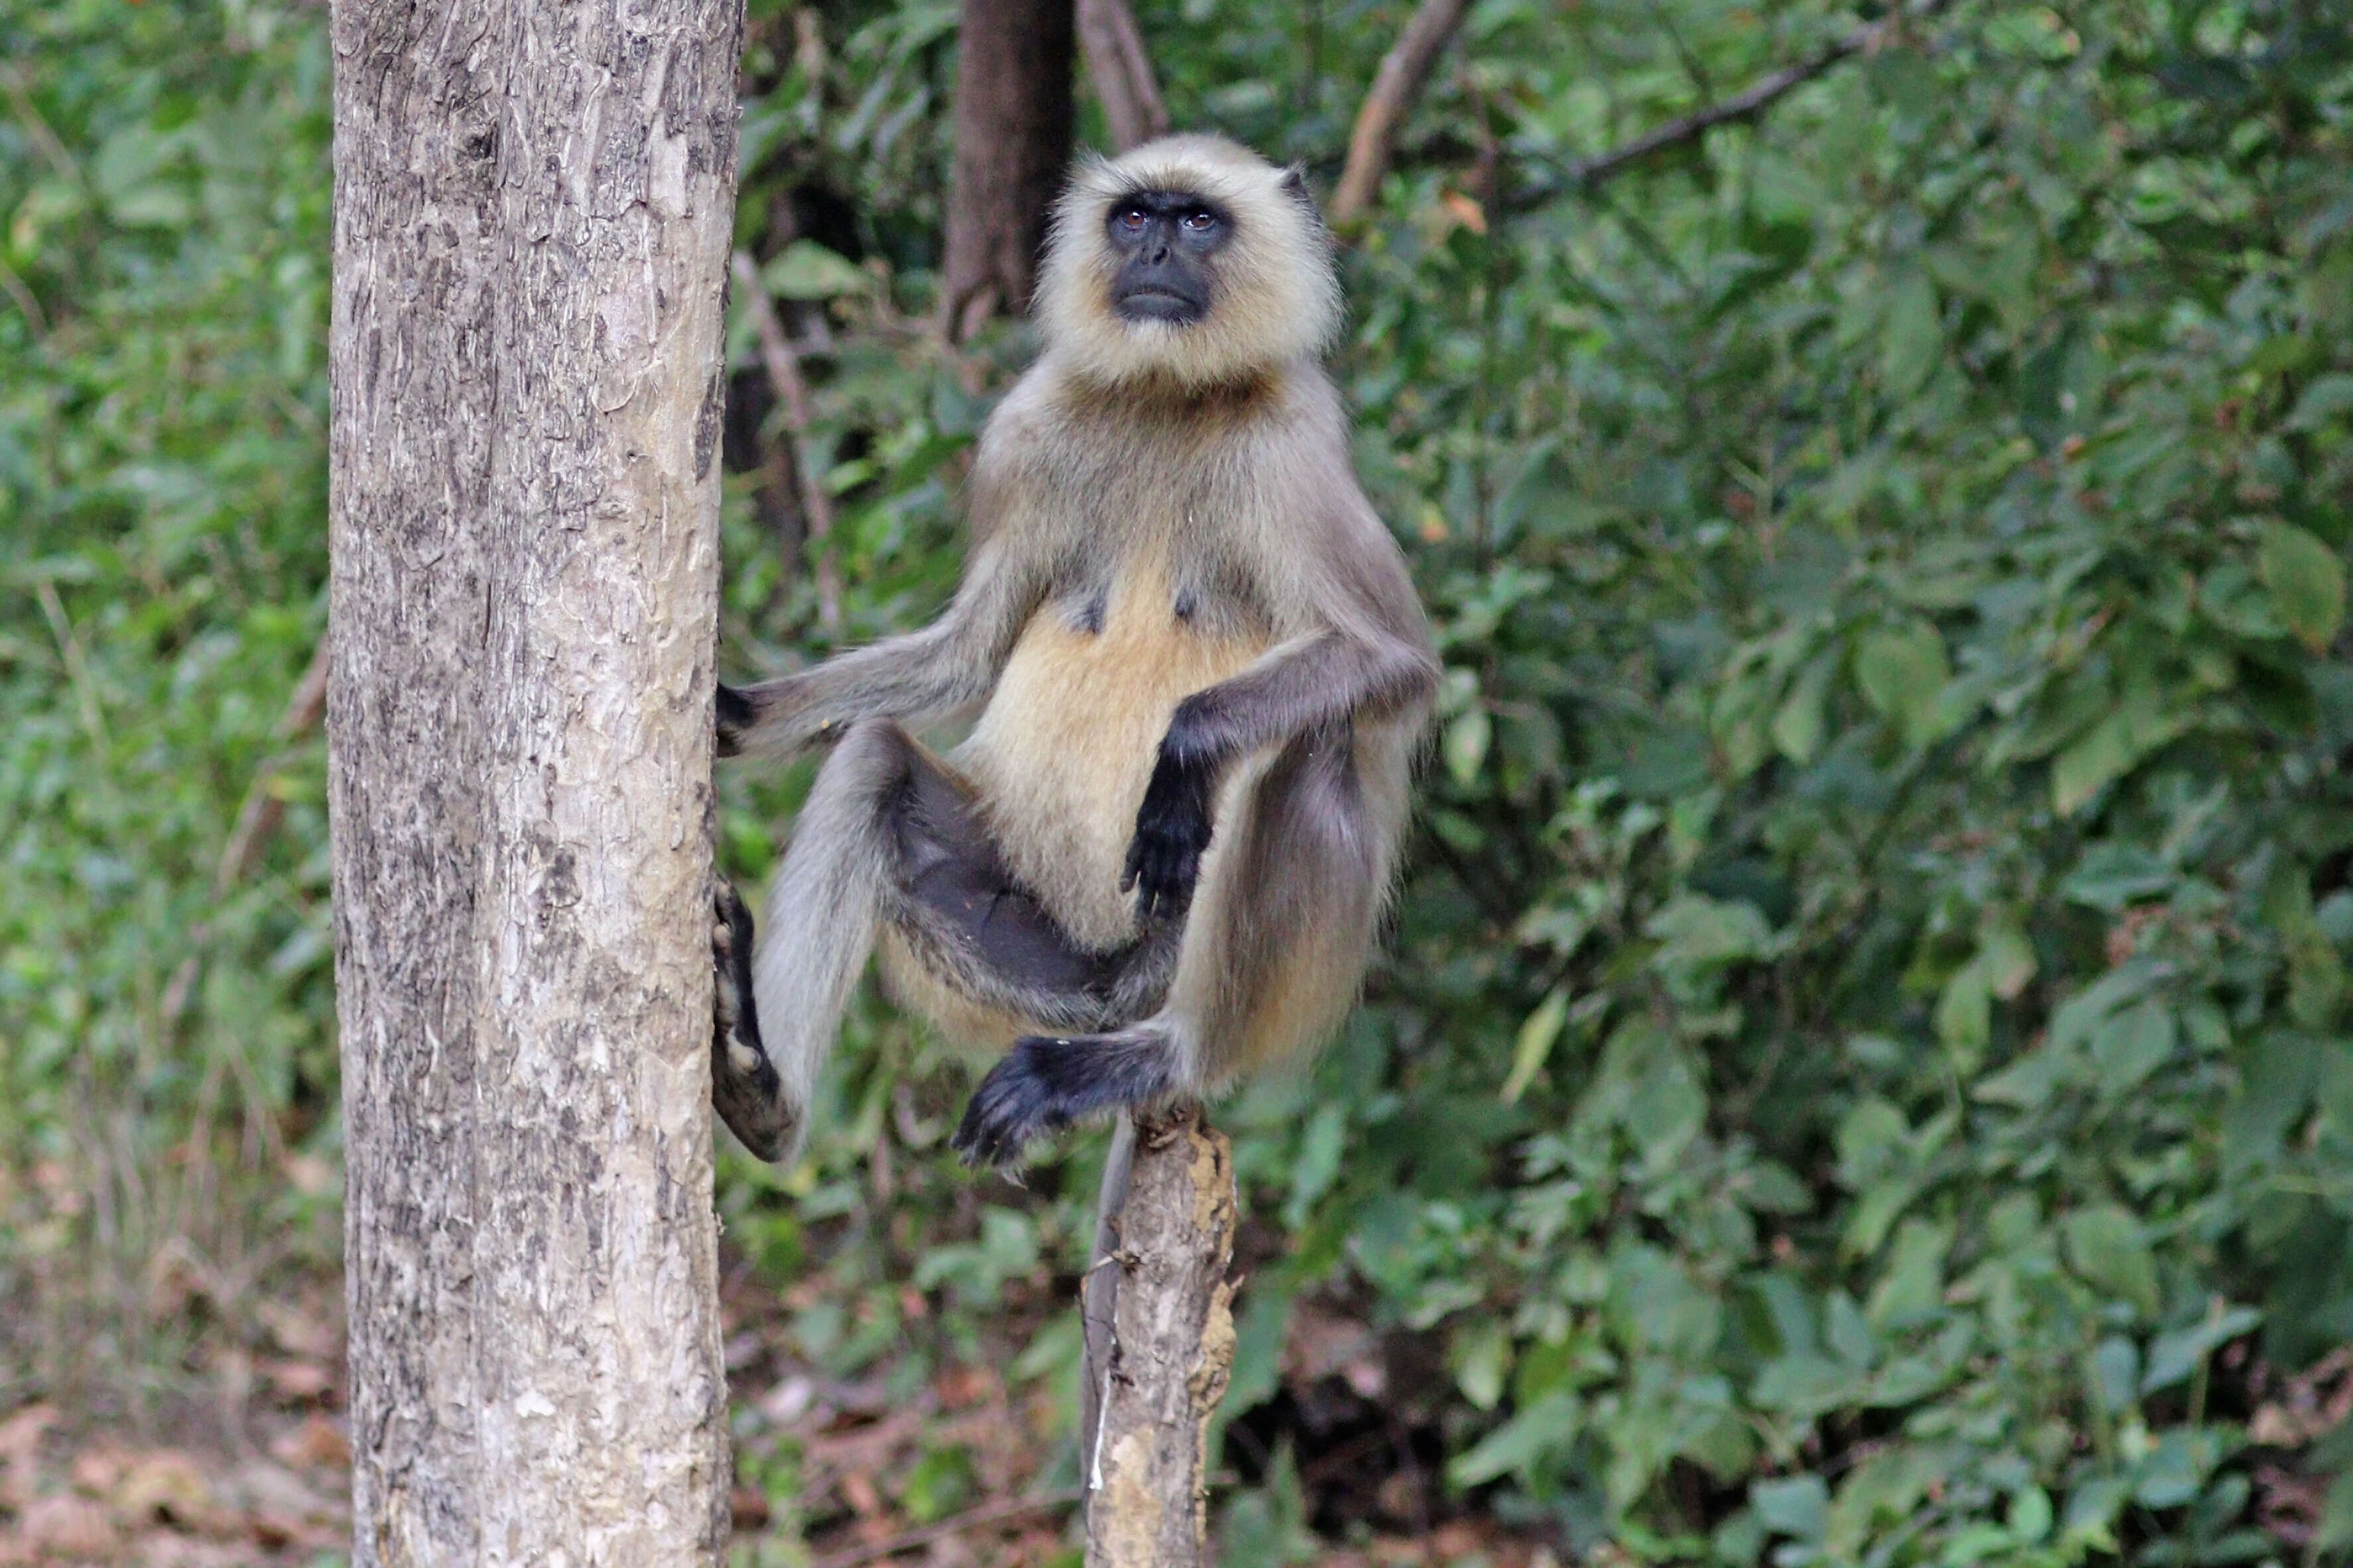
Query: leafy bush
pixel 1862 1074
pixel 162 475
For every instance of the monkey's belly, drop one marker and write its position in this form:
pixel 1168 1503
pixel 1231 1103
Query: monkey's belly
pixel 1063 751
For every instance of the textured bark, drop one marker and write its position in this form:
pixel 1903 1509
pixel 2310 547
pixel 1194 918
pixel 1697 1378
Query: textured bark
pixel 1013 101
pixel 1121 72
pixel 1159 1372
pixel 531 217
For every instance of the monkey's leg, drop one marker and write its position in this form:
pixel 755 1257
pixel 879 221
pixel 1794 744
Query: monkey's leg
pixel 1272 951
pixel 888 834
pixel 976 928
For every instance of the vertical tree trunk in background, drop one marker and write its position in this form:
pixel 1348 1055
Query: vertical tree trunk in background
pixel 1013 106
pixel 1404 72
pixel 1159 1323
pixel 1121 73
pixel 533 210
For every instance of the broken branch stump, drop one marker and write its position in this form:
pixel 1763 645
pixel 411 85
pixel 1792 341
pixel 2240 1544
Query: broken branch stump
pixel 1158 1310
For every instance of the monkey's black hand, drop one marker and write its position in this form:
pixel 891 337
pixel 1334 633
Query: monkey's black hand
pixel 744 1087
pixel 735 716
pixel 1172 829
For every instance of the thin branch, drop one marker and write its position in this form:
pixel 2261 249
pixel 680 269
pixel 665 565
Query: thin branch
pixel 85 686
pixel 1743 105
pixel 14 287
pixel 972 1519
pixel 1692 65
pixel 257 820
pixel 1121 72
pixel 783 368
pixel 1405 71
pixel 36 129
pixel 263 810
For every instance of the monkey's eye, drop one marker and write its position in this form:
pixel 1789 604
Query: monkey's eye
pixel 1200 220
pixel 1131 218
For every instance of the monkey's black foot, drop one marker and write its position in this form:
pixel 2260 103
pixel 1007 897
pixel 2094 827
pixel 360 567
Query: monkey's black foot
pixel 735 716
pixel 744 1087
pixel 1044 1085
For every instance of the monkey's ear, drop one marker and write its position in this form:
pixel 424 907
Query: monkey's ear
pixel 1294 185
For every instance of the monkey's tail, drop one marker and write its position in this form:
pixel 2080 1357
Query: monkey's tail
pixel 823 908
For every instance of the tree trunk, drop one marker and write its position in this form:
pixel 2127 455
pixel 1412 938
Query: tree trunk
pixel 1013 104
pixel 1404 72
pixel 1159 1324
pixel 532 208
pixel 1121 73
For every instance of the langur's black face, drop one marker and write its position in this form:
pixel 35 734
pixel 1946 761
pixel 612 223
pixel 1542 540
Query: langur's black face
pixel 1165 240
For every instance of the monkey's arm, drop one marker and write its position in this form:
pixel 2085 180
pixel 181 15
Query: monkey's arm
pixel 954 661
pixel 1321 682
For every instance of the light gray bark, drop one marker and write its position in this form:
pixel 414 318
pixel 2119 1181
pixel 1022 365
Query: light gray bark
pixel 533 210
pixel 1159 1324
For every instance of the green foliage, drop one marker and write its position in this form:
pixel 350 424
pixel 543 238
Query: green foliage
pixel 162 482
pixel 1863 1072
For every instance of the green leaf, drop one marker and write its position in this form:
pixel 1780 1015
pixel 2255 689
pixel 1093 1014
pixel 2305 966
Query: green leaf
pixel 1799 1508
pixel 2307 580
pixel 1914 343
pixel 1965 1013
pixel 2334 1530
pixel 2106 1247
pixel 2172 1357
pixel 1799 722
pixel 2131 1045
pixel 1482 1359
pixel 1901 673
pixel 1465 745
pixel 1700 931
pixel 808 270
pixel 2327 397
pixel 1537 1032
pixel 1913 1284
pixel 1544 1428
pixel 2092 764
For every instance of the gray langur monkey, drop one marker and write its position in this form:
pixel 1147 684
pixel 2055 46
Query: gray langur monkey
pixel 1201 675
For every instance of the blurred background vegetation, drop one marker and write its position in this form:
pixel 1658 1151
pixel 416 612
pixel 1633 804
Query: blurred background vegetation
pixel 1862 1073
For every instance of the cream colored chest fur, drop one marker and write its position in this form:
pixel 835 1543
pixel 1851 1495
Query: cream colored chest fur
pixel 1066 745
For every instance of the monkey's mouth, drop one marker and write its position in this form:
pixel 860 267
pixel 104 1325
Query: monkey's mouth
pixel 1157 305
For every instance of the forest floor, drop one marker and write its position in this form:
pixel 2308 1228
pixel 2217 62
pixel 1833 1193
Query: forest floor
pixel 247 1463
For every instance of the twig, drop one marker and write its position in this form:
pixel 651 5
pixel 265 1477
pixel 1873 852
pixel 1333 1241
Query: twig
pixel 1121 72
pixel 257 820
pixel 1745 104
pixel 783 368
pixel 1099 1293
pixel 1405 70
pixel 36 129
pixel 93 715
pixel 14 288
pixel 972 1519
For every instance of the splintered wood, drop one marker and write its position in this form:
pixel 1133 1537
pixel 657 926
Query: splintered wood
pixel 1161 1348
